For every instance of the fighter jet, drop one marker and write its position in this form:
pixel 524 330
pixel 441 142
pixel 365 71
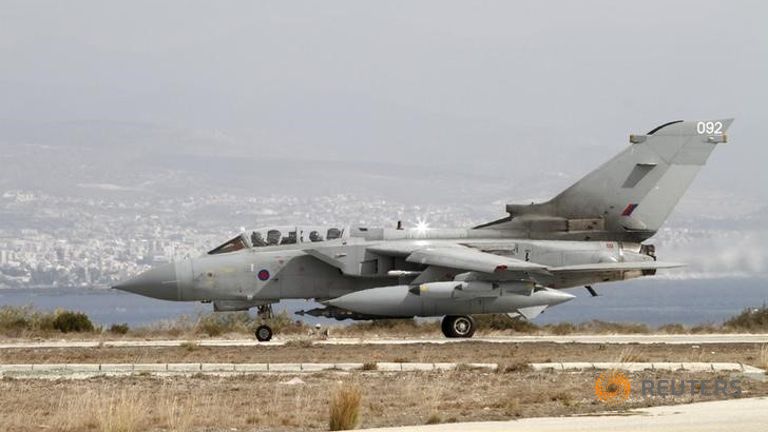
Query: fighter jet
pixel 595 231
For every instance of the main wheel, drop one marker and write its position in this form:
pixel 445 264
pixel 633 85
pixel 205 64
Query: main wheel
pixel 444 326
pixel 458 326
pixel 263 333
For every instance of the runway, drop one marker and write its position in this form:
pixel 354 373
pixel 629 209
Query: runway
pixel 642 339
pixel 743 415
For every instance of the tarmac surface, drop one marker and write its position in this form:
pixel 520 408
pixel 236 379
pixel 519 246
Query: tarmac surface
pixel 586 339
pixel 743 415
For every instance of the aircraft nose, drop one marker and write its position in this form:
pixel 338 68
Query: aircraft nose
pixel 159 282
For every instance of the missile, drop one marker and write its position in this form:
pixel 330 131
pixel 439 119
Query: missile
pixel 448 298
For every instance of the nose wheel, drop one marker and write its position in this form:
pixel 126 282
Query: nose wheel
pixel 264 332
pixel 458 326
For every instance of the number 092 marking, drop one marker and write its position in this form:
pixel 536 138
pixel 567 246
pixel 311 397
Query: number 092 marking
pixel 709 127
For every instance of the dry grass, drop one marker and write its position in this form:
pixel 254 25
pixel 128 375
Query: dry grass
pixel 119 411
pixel 146 403
pixel 510 404
pixel 750 320
pixel 27 322
pixel 514 367
pixel 564 397
pixel 299 343
pixel 605 327
pixel 763 359
pixel 344 409
pixel 630 355
pixel 509 355
pixel 70 414
pixel 709 329
pixel 122 412
pixel 177 412
pixel 505 324
pixel 562 329
pixel 189 346
pixel 268 402
pixel 673 329
pixel 435 418
pixel 388 328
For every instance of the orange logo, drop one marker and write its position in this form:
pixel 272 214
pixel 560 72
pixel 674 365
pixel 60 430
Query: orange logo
pixel 612 386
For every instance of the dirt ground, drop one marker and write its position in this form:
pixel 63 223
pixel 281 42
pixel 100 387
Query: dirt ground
pixel 297 402
pixel 465 352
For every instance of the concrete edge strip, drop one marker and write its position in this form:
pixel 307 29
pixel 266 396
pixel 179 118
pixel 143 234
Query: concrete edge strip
pixel 581 338
pixel 63 369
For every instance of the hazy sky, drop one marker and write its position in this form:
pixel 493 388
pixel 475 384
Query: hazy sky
pixel 490 85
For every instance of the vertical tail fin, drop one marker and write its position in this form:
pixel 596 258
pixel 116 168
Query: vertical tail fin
pixel 630 196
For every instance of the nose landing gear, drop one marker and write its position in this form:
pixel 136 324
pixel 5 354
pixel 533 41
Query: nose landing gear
pixel 264 332
pixel 458 326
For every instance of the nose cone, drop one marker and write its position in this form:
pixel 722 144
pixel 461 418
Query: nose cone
pixel 556 297
pixel 159 282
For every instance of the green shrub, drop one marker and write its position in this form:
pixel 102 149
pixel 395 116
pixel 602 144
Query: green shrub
pixel 750 319
pixel 15 322
pixel 69 321
pixel 120 329
pixel 17 319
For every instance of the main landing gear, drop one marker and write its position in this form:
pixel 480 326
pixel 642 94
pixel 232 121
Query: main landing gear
pixel 264 332
pixel 458 326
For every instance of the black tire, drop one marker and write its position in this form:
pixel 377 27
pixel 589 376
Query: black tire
pixel 445 327
pixel 263 333
pixel 458 326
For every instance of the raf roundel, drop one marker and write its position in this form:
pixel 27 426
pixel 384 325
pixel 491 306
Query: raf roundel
pixel 263 275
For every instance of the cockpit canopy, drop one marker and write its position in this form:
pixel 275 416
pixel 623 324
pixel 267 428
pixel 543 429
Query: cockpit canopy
pixel 274 236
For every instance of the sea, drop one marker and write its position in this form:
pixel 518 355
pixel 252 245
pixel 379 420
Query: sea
pixel 650 301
